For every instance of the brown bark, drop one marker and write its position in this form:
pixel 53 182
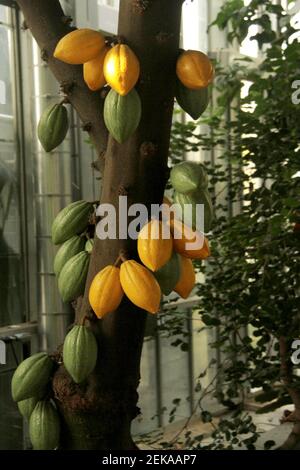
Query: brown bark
pixel 97 415
pixel 286 375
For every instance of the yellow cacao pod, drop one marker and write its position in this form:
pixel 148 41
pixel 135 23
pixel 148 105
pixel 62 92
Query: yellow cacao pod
pixel 183 236
pixel 194 70
pixel 140 286
pixel 93 71
pixel 79 46
pixel 187 279
pixel 105 292
pixel 121 69
pixel 154 249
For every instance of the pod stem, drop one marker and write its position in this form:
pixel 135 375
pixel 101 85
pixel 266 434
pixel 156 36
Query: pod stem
pixel 117 262
pixel 121 258
pixel 120 39
pixel 83 320
pixel 65 100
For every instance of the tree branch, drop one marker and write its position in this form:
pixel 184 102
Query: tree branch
pixel 48 23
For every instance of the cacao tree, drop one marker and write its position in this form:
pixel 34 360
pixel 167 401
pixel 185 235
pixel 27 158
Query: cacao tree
pixel 98 414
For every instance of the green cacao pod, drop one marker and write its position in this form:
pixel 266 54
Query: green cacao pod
pixel 187 177
pixel 71 220
pixel 44 426
pixel 70 248
pixel 31 376
pixel 198 197
pixel 89 245
pixel 169 274
pixel 27 406
pixel 122 114
pixel 193 102
pixel 53 126
pixel 80 353
pixel 71 281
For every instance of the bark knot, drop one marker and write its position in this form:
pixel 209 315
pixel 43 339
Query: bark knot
pixel 24 26
pixel 66 19
pixel 67 86
pixel 44 55
pixel 163 37
pixel 140 6
pixel 148 149
pixel 123 190
pixel 87 126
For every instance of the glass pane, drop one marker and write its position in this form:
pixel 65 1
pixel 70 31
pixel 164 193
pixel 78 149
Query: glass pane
pixel 11 274
pixel 4 12
pixel 6 107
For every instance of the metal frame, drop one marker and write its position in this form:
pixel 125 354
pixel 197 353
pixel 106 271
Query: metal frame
pixel 18 111
pixel 9 3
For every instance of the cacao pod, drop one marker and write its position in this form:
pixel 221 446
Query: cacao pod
pixel 121 69
pixel 53 126
pixel 27 406
pixel 155 244
pixel 187 279
pixel 70 248
pixel 44 426
pixel 194 69
pixel 72 220
pixel 93 71
pixel 72 278
pixel 169 275
pixel 80 353
pixel 31 376
pixel 187 177
pixel 184 236
pixel 193 217
pixel 122 114
pixel 89 245
pixel 106 293
pixel 79 46
pixel 140 286
pixel 193 102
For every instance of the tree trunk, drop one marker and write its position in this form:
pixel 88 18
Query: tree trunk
pixel 98 414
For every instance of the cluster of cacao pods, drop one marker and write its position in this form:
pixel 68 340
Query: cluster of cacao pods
pixel 165 266
pixel 119 67
pixel 190 183
pixel 195 72
pixel 30 389
pixel 31 380
pixel 115 66
pixel 71 261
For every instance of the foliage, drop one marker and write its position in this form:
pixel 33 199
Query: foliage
pixel 251 282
